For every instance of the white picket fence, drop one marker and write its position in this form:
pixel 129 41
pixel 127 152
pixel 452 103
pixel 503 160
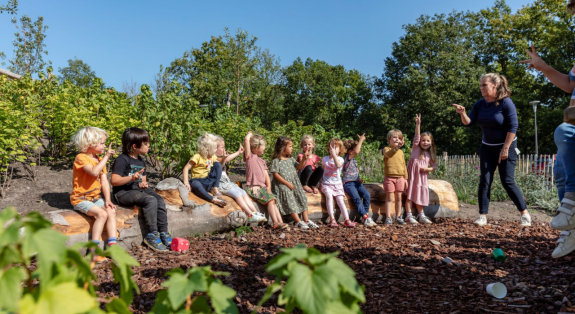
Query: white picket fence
pixel 541 165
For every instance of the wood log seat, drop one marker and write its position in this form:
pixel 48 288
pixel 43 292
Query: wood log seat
pixel 190 214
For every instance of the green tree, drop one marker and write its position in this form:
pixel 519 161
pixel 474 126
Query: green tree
pixel 432 66
pixel 77 72
pixel 317 92
pixel 29 46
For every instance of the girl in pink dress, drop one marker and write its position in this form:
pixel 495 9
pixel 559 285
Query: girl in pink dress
pixel 421 163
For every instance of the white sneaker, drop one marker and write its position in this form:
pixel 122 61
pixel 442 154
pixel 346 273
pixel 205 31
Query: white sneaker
pixel 526 220
pixel 369 222
pixel 302 225
pixel 564 219
pixel 565 244
pixel 312 225
pixel 257 218
pixel 424 220
pixel 481 221
pixel 411 220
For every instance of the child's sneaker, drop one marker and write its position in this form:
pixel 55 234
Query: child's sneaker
pixel 302 225
pixel 565 219
pixel 312 225
pixel 153 241
pixel 368 222
pixel 166 238
pixel 348 223
pixel 262 216
pixel 411 220
pixel 400 220
pixel 424 220
pixel 388 221
pixel 526 220
pixel 256 218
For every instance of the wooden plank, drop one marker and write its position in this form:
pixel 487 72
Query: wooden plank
pixel 11 75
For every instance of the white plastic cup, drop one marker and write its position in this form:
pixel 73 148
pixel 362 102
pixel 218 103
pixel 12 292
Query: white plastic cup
pixel 498 290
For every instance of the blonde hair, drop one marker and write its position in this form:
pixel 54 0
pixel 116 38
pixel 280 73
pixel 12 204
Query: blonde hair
pixel 219 139
pixel 393 132
pixel 88 136
pixel 308 137
pixel 431 149
pixel 207 145
pixel 503 90
pixel 256 141
pixel 339 143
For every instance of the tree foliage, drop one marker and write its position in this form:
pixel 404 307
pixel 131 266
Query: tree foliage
pixel 77 72
pixel 29 46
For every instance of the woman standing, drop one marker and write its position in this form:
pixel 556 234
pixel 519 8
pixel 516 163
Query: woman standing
pixel 497 117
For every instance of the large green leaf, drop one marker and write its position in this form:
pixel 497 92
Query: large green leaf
pixel 222 298
pixel 346 278
pixel 118 306
pixel 11 287
pixel 122 271
pixel 65 298
pixel 307 289
pixel 49 247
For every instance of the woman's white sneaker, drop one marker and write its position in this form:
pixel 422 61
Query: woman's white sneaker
pixel 526 220
pixel 481 221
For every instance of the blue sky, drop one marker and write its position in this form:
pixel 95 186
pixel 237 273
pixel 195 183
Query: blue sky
pixel 127 41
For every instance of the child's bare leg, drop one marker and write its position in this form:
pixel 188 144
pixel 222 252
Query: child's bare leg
pixel 419 208
pixel 274 213
pixel 389 200
pixel 397 204
pixel 408 208
pixel 250 203
pixel 295 217
pixel 98 226
pixel 240 200
pixel 111 223
pixel 305 216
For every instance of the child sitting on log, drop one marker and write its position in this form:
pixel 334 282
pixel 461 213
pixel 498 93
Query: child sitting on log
pixel 229 188
pixel 89 182
pixel 131 188
pixel 206 171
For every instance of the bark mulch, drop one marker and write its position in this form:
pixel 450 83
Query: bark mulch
pixel 401 267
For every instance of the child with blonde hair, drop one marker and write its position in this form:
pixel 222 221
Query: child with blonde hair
pixel 258 184
pixel 89 182
pixel 309 171
pixel 421 163
pixel 395 181
pixel 331 185
pixel 287 186
pixel 229 188
pixel 206 171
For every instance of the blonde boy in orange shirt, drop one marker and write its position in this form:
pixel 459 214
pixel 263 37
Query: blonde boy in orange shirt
pixel 89 182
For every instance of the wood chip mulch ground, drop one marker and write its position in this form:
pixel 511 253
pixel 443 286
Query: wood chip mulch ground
pixel 402 268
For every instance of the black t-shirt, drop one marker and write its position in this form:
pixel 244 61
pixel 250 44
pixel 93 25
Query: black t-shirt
pixel 126 166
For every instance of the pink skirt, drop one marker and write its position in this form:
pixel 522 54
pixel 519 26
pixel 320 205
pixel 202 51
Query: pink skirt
pixel 332 189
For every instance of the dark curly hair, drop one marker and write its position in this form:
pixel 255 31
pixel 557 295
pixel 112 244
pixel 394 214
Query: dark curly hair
pixel 571 6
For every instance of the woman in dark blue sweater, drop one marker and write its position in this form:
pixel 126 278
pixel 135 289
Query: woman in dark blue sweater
pixel 497 117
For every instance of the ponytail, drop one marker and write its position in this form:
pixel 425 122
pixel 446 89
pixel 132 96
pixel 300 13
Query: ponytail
pixel 503 90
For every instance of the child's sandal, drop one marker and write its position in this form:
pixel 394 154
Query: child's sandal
pixel 348 223
pixel 219 202
pixel 281 226
pixel 216 192
pixel 333 224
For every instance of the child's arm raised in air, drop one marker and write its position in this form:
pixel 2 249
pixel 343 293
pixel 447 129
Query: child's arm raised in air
pixel 354 152
pixel 95 171
pixel 106 190
pixel 247 147
pixel 417 130
pixel 283 181
pixel 187 168
pixel 338 163
pixel 232 156
pixel 390 151
pixel 302 162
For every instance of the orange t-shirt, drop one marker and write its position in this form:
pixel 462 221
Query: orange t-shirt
pixel 84 186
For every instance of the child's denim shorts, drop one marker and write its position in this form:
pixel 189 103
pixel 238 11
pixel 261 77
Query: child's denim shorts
pixel 85 206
